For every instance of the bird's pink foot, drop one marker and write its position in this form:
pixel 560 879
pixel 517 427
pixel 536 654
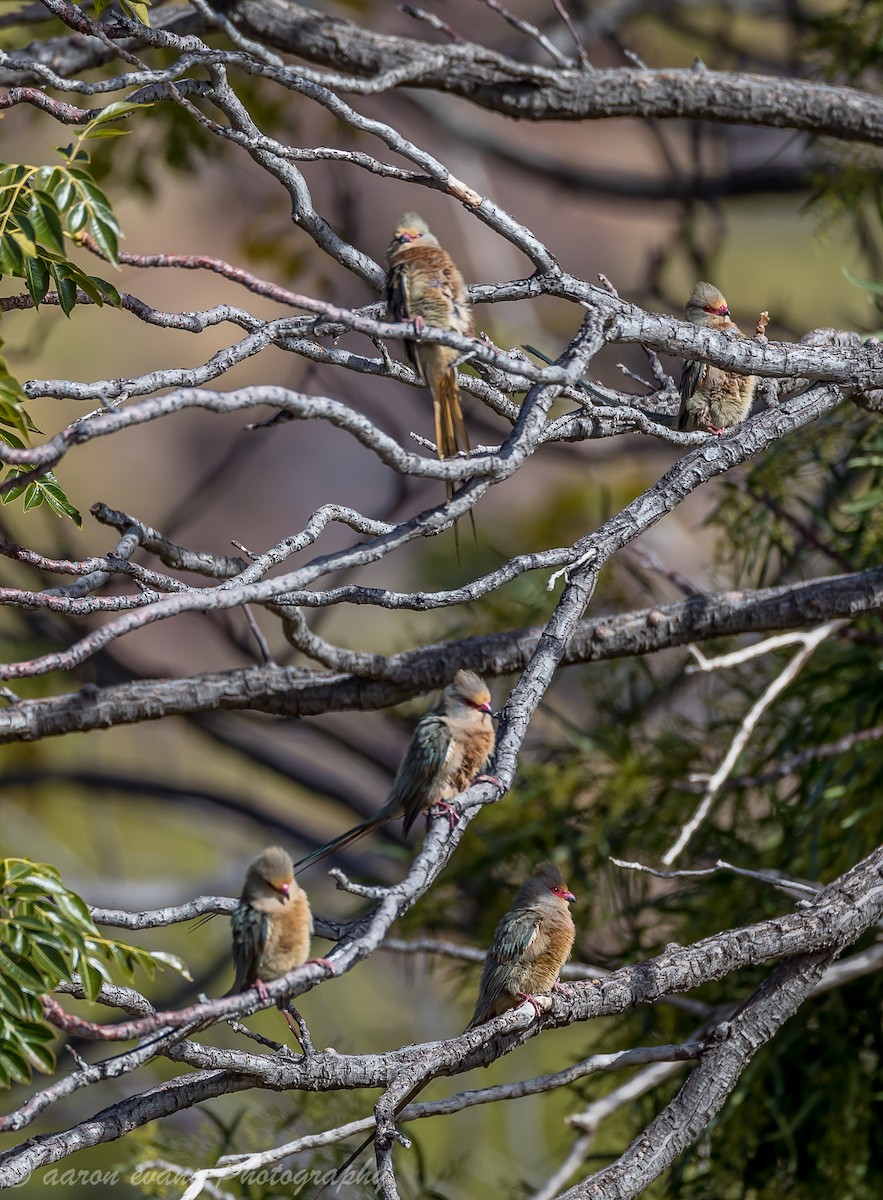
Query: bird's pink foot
pixel 498 783
pixel 322 962
pixel 419 324
pixel 532 1000
pixel 443 809
pixel 564 988
pixel 715 430
pixel 261 988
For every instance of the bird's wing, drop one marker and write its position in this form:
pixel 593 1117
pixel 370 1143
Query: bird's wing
pixel 426 754
pixel 512 939
pixel 692 376
pixel 250 929
pixel 398 301
pixel 398 294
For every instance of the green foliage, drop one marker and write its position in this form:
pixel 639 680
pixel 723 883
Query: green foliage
pixel 47 935
pixel 849 42
pixel 39 208
pixel 851 36
pixel 618 755
pixel 137 9
pixel 819 1132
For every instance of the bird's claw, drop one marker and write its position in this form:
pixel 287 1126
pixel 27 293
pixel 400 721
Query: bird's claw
pixel 564 988
pixel 261 988
pixel 498 783
pixel 533 1001
pixel 322 962
pixel 419 324
pixel 715 430
pixel 443 809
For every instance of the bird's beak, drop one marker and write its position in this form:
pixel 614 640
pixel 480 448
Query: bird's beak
pixel 487 708
pixel 569 897
pixel 284 889
pixel 404 237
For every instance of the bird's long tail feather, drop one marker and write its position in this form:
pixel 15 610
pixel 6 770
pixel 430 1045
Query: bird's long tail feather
pixel 345 839
pixel 451 438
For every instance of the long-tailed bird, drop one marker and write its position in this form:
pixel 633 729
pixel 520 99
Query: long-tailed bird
pixel 448 750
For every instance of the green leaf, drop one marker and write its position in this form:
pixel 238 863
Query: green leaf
pixel 42 1057
pixel 90 977
pixel 15 1063
pixel 104 235
pixel 37 278
pixel 137 9
pixel 173 961
pixel 46 222
pixel 65 286
pixel 57 501
pixel 869 285
pixel 19 969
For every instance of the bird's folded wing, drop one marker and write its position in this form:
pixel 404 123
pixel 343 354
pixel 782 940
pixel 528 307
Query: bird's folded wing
pixel 691 378
pixel 398 294
pixel 512 940
pixel 250 929
pixel 424 758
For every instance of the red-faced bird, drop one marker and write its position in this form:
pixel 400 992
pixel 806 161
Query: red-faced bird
pixel 712 399
pixel 531 944
pixel 449 748
pixel 272 924
pixel 424 286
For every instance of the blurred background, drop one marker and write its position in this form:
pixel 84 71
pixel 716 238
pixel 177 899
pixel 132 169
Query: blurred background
pixel 154 814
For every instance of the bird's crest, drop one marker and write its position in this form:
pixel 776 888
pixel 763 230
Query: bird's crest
pixel 411 230
pixel 273 869
pixel 550 875
pixel 472 690
pixel 705 297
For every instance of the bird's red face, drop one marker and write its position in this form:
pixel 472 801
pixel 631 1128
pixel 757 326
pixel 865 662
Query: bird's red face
pixel 562 893
pixel 281 886
pixel 404 236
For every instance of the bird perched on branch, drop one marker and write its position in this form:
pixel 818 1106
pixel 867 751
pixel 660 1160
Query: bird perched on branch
pixel 531 944
pixel 448 750
pixel 712 399
pixel 272 925
pixel 424 286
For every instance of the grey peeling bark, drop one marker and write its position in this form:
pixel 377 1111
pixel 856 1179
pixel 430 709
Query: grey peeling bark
pixel 16 1166
pixel 812 936
pixel 707 1087
pixel 501 84
pixel 534 93
pixel 285 692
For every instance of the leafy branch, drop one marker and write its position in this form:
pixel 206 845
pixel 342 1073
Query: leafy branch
pixel 47 936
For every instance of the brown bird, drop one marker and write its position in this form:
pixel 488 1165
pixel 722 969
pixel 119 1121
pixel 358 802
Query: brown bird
pixel 531 944
pixel 272 925
pixel 424 286
pixel 448 750
pixel 712 399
